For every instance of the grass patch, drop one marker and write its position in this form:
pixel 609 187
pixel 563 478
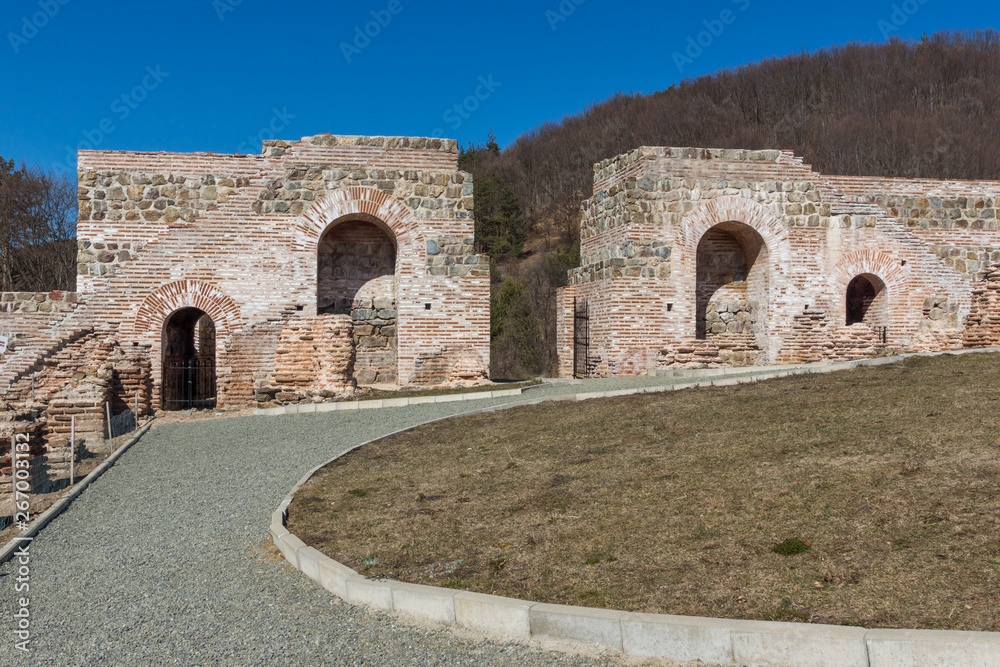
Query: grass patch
pixel 674 503
pixel 791 547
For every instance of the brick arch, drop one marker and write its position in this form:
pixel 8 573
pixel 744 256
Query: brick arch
pixel 169 298
pixel 361 217
pixel 737 209
pixel 164 301
pixel 877 263
pixel 360 203
pixel 883 266
pixel 735 213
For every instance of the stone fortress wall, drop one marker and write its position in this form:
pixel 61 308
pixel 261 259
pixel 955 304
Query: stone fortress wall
pixel 294 275
pixel 338 261
pixel 717 257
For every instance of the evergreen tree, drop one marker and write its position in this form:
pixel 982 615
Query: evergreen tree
pixel 501 227
pixel 471 159
pixel 515 333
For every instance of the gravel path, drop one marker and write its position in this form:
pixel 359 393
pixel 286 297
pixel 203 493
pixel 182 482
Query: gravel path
pixel 163 560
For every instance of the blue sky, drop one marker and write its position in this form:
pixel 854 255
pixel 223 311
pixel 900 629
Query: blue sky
pixel 219 75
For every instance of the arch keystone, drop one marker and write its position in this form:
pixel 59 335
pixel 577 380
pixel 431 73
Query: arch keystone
pixel 354 201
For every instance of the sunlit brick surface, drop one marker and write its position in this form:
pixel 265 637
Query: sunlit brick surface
pixel 238 237
pixel 929 245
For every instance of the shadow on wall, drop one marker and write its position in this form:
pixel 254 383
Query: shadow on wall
pixel 867 301
pixel 731 289
pixel 356 277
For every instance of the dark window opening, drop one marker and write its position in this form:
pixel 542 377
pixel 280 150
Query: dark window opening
pixel 866 301
pixel 189 380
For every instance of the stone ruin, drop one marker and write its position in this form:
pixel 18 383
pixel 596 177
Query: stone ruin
pixel 697 257
pixel 337 262
pixel 83 380
pixel 237 281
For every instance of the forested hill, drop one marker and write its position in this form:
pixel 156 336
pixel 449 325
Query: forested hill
pixel 929 108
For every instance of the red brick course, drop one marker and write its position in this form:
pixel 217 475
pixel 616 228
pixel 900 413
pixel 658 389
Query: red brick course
pixel 237 237
pixel 640 238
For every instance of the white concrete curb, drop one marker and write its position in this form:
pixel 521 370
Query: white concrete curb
pixel 300 408
pixel 58 506
pixel 680 638
pixel 703 377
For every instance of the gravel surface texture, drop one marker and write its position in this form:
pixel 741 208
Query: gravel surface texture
pixel 165 559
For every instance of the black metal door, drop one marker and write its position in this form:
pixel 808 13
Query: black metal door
pixel 581 338
pixel 882 334
pixel 189 384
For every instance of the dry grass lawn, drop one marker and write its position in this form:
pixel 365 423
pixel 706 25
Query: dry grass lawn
pixel 674 502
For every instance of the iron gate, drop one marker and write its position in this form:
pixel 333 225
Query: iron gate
pixel 882 333
pixel 189 384
pixel 581 338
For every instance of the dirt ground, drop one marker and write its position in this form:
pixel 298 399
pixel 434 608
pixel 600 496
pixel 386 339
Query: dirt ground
pixel 867 497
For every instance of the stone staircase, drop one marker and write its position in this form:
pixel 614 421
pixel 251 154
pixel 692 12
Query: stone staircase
pixel 47 356
pixel 914 250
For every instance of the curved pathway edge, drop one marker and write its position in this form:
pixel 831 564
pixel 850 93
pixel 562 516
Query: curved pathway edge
pixel 637 635
pixel 58 506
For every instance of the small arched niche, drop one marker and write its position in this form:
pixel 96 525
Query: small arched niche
pixel 356 268
pixel 867 301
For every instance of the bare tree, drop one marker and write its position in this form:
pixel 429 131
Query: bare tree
pixel 928 108
pixel 37 229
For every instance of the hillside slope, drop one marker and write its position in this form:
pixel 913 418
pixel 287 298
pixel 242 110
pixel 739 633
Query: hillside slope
pixel 929 108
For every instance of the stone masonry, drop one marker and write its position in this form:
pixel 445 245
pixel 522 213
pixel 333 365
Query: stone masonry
pixel 298 274
pixel 718 257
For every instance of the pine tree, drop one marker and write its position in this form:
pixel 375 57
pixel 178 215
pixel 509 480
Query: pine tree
pixel 501 227
pixel 515 333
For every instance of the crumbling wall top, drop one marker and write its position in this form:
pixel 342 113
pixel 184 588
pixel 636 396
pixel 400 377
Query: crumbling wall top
pixel 408 153
pixel 353 140
pixel 610 171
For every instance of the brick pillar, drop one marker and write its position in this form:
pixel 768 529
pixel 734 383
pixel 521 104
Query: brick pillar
pixel 564 329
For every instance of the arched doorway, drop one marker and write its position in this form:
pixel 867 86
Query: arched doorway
pixel 189 360
pixel 356 266
pixel 731 283
pixel 866 301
